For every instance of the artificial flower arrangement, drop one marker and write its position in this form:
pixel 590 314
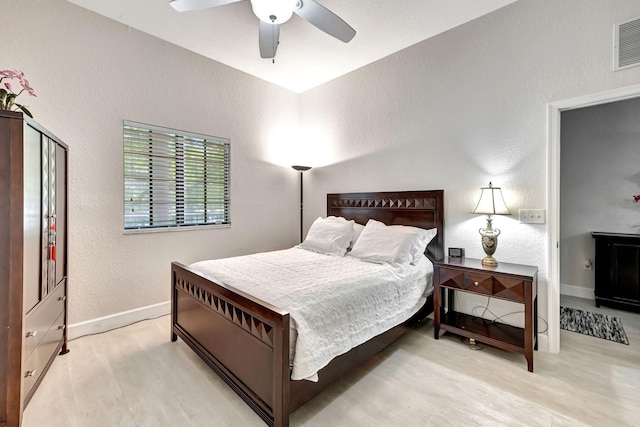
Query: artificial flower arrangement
pixel 7 94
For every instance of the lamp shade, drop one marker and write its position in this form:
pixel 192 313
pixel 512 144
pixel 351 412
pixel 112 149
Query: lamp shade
pixel 491 202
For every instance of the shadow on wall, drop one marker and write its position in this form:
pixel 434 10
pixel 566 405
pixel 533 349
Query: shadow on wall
pixel 635 179
pixel 579 252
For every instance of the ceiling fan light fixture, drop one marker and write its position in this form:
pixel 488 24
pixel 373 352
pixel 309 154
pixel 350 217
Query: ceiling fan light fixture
pixel 273 11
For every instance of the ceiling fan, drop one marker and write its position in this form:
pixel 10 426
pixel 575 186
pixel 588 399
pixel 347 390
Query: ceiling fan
pixel 272 13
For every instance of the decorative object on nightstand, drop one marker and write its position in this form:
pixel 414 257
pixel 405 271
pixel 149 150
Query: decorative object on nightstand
pixel 301 169
pixel 491 203
pixel 456 252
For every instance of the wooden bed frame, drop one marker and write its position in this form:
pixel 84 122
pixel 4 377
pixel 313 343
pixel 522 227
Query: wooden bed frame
pixel 246 340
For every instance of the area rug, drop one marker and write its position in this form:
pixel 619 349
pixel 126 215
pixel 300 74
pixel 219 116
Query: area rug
pixel 593 324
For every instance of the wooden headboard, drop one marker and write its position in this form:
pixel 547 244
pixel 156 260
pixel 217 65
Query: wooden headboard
pixel 424 209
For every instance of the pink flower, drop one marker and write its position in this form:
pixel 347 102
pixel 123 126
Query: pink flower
pixel 15 74
pixel 25 85
pixel 7 100
pixel 9 73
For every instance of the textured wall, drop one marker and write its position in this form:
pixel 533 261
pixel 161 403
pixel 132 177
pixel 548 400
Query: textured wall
pixel 90 74
pixel 599 175
pixel 452 112
pixel 463 108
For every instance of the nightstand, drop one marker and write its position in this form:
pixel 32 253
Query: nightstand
pixel 509 282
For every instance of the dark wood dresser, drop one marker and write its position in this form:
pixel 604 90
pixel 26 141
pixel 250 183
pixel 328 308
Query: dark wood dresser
pixel 33 259
pixel 617 270
pixel 509 282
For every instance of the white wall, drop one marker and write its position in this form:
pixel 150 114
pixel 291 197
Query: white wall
pixel 464 108
pixel 453 112
pixel 90 74
pixel 600 173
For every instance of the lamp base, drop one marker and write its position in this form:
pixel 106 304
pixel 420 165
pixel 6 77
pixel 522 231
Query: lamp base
pixel 490 261
pixel 489 243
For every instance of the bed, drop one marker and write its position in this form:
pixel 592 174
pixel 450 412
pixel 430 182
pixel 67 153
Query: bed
pixel 246 340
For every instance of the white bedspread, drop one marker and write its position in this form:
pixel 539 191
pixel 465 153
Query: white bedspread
pixel 335 303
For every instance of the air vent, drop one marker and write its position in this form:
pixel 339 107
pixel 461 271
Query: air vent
pixel 627 44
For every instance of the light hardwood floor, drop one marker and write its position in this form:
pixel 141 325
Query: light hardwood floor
pixel 135 376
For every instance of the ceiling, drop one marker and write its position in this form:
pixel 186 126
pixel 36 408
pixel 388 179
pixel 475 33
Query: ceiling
pixel 306 56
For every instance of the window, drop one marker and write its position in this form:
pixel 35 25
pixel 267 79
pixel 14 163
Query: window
pixel 174 179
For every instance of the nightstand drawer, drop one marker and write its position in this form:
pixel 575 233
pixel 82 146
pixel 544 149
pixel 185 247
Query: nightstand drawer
pixel 509 289
pixel 483 283
pixel 477 283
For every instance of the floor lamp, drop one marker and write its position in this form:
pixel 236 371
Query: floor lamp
pixel 301 169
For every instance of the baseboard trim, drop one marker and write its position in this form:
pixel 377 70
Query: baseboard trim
pixel 117 320
pixel 577 291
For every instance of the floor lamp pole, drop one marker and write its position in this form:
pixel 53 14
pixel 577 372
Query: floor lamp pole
pixel 301 169
pixel 301 206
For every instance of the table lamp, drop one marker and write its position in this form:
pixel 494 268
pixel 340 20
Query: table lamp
pixel 491 203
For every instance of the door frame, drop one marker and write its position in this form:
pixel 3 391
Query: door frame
pixel 554 111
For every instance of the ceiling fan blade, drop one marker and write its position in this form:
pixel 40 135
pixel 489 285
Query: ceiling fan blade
pixel 325 20
pixel 187 5
pixel 269 38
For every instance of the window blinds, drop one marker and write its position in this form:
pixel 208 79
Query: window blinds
pixel 174 178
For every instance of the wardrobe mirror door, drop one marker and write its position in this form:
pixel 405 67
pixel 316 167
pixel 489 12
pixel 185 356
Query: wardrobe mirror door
pixel 32 219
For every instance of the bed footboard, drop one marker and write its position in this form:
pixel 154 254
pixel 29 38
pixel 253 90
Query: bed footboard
pixel 242 338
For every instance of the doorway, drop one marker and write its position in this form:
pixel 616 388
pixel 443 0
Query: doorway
pixel 553 138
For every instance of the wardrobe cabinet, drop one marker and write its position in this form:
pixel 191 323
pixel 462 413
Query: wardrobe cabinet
pixel 33 259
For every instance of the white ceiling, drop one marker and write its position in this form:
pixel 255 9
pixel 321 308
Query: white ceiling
pixel 306 56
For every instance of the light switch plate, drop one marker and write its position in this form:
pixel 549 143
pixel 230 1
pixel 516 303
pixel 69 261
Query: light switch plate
pixel 532 216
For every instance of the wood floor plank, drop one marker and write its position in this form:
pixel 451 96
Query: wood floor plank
pixel 135 377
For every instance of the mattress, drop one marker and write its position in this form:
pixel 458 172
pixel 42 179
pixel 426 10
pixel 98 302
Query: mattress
pixel 335 303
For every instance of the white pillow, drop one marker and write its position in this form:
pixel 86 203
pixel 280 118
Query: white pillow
pixel 357 230
pixel 381 244
pixel 330 236
pixel 395 244
pixel 421 240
